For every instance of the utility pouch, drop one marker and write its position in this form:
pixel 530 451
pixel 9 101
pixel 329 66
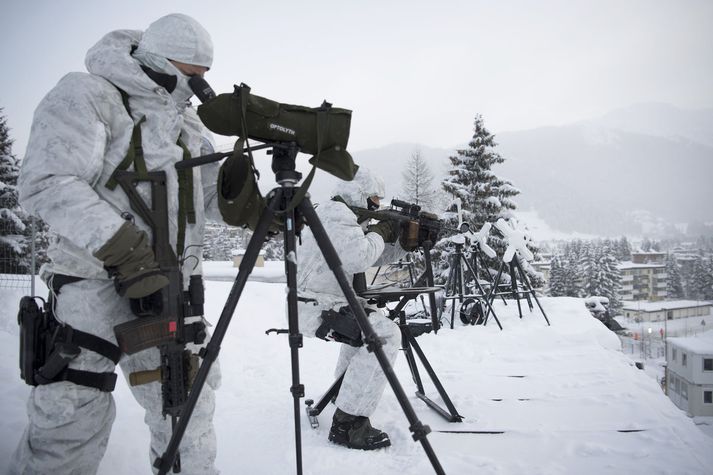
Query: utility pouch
pixel 409 238
pixel 340 326
pixel 47 347
pixel 239 199
pixel 33 327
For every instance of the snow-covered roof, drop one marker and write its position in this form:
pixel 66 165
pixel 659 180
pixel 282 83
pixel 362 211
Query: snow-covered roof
pixel 631 265
pixel 700 344
pixel 657 306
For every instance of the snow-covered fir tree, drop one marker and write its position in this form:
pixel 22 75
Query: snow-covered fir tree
pixel 608 274
pixel 570 268
pixel 588 271
pixel 417 183
pixel 701 280
pixel 557 284
pixel 623 249
pixel 674 282
pixel 14 221
pixel 483 196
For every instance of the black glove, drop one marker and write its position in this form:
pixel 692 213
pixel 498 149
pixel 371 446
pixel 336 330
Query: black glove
pixel 130 261
pixel 340 326
pixel 387 229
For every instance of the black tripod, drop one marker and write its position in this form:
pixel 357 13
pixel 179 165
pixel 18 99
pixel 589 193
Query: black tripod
pixel 514 268
pixel 293 207
pixel 455 289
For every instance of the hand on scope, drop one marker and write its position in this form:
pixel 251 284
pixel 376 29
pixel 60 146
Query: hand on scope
pixel 389 230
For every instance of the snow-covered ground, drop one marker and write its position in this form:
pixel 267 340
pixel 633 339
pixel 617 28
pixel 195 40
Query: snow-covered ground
pixel 562 395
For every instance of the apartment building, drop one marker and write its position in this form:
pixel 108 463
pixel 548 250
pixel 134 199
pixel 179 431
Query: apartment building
pixel 644 277
pixel 657 311
pixel 689 373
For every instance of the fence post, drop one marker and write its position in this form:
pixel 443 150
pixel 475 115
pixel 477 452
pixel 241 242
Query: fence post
pixel 32 261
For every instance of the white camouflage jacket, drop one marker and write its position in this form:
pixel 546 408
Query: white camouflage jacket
pixel 81 132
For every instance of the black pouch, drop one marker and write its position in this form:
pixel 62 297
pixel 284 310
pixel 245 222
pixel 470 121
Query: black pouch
pixel 34 324
pixel 47 347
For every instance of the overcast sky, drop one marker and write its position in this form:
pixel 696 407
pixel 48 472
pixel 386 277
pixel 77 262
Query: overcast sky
pixel 412 71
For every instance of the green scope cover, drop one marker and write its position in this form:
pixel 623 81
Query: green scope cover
pixel 320 131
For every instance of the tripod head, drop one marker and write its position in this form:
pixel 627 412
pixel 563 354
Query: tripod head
pixel 284 155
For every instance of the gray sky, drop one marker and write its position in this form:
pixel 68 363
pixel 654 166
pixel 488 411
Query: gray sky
pixel 412 71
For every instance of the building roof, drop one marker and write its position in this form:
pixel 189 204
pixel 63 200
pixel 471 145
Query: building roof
pixel 701 344
pixel 646 306
pixel 631 265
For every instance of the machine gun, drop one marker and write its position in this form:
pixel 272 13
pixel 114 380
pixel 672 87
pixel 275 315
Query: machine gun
pixel 417 227
pixel 162 315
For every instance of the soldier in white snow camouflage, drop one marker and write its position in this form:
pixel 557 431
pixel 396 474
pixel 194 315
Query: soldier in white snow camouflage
pixel 80 134
pixel 359 247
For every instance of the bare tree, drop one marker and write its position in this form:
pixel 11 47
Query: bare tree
pixel 417 182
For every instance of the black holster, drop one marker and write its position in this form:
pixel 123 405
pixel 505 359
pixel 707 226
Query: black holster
pixel 48 346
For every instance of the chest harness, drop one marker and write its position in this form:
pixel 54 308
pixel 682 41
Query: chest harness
pixel 47 346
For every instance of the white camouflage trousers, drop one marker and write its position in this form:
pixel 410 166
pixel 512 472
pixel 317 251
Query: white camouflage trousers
pixel 69 425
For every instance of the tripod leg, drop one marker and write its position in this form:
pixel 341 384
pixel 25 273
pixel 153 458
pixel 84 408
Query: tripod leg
pixel 488 276
pixel 371 339
pixel 452 414
pixel 428 273
pixel 490 298
pixel 529 286
pixel 295 337
pixel 211 350
pixel 482 293
pixel 513 286
pixel 405 344
pixel 524 282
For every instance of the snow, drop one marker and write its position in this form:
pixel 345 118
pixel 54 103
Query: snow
pixel 540 231
pixel 700 344
pixel 561 394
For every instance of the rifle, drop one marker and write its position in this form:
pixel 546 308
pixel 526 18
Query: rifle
pixel 417 227
pixel 162 315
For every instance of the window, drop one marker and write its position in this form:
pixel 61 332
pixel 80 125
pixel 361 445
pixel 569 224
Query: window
pixel 673 354
pixel 707 397
pixel 707 364
pixel 684 359
pixel 684 390
pixel 677 386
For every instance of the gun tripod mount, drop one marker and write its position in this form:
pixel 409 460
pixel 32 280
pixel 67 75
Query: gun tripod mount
pixel 471 311
pixel 292 206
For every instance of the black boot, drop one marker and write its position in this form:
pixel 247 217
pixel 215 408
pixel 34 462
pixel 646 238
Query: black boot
pixel 356 432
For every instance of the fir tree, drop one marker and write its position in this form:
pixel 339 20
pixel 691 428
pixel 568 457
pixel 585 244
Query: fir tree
pixel 572 252
pixel 417 183
pixel 701 284
pixel 674 283
pixel 608 274
pixel 558 286
pixel 484 196
pixel 623 249
pixel 646 245
pixel 588 272
pixel 14 221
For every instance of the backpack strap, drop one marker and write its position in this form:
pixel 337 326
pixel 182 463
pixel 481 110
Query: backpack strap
pixel 135 153
pixel 135 156
pixel 186 208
